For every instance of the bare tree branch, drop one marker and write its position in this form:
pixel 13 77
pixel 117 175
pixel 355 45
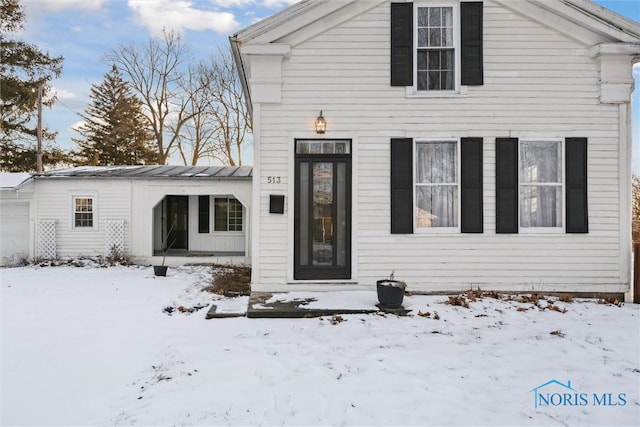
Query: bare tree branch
pixel 155 71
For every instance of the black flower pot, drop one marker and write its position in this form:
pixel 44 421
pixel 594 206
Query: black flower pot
pixel 160 270
pixel 390 293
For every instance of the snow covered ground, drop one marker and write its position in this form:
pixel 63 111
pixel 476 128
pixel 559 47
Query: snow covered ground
pixel 94 346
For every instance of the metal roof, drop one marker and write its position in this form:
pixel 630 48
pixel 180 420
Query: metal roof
pixel 152 172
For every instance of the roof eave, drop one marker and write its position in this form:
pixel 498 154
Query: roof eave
pixel 619 23
pixel 242 72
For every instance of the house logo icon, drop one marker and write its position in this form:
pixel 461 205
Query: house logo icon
pixel 556 393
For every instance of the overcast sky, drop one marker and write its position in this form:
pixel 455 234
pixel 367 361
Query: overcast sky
pixel 83 31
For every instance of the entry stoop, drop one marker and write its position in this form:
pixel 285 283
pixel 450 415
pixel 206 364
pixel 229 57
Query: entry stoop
pixel 296 305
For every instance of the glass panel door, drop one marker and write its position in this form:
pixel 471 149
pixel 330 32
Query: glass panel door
pixel 323 218
pixel 322 210
pixel 177 222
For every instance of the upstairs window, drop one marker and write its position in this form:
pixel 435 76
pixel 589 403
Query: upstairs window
pixel 435 48
pixel 227 214
pixel 83 212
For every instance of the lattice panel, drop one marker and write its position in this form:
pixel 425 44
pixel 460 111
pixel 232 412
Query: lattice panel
pixel 114 236
pixel 46 241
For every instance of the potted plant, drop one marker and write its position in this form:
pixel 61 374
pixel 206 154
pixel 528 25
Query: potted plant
pixel 161 270
pixel 390 292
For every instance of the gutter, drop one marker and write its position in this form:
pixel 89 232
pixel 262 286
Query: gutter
pixel 237 58
pixel 607 17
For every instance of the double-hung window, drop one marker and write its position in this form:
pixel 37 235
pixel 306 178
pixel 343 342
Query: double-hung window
pixel 227 214
pixel 435 48
pixel 541 185
pixel 436 185
pixel 83 210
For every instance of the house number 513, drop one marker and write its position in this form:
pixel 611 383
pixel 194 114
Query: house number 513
pixel 274 180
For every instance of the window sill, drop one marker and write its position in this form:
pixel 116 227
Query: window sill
pixel 410 92
pixel 80 229
pixel 222 233
pixel 541 231
pixel 446 232
pixel 322 282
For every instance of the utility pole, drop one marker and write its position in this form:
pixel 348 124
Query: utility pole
pixel 39 152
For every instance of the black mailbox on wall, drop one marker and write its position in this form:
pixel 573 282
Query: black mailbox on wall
pixel 276 204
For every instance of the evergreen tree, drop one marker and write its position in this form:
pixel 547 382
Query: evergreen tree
pixel 23 69
pixel 115 130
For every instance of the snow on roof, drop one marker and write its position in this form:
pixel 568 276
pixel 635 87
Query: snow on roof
pixel 151 172
pixel 12 180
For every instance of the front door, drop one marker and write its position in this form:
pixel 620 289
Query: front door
pixel 322 216
pixel 177 223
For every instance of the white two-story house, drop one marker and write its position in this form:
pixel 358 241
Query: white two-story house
pixel 456 143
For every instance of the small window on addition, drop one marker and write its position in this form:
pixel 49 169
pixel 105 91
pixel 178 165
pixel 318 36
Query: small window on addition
pixel 228 214
pixel 83 212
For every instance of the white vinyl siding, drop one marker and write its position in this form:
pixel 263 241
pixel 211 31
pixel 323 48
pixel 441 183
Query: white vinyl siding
pixel 539 83
pixel 56 200
pixel 133 201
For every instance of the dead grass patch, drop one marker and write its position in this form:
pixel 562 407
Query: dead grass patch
pixel 610 301
pixel 231 281
pixel 459 300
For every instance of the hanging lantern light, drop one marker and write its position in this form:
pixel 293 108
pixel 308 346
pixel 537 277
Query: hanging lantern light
pixel 321 124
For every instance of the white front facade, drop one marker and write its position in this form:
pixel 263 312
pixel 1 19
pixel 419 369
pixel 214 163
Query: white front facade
pixel 545 79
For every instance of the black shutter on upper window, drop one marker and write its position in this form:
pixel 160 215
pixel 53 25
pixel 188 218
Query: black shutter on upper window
pixel 471 189
pixel 576 191
pixel 401 44
pixel 506 185
pixel 471 43
pixel 401 186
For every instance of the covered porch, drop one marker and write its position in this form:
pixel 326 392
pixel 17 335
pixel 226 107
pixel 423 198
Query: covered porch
pixel 200 229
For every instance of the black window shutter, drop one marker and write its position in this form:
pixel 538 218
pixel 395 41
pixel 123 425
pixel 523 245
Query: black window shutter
pixel 401 44
pixel 471 189
pixel 576 177
pixel 471 43
pixel 203 214
pixel 401 186
pixel 506 185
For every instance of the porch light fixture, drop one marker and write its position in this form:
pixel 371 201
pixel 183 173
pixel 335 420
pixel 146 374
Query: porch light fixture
pixel 321 124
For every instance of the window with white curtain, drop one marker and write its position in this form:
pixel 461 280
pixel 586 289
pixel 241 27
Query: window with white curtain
pixel 436 185
pixel 541 185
